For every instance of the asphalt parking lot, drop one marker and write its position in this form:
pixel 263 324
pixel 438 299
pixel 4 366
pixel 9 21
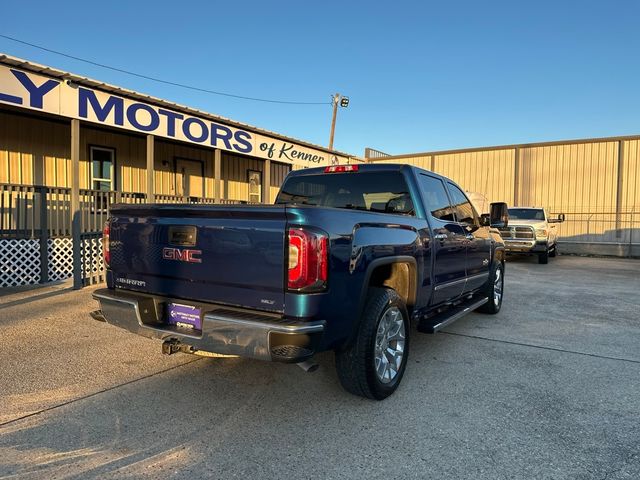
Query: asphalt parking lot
pixel 549 388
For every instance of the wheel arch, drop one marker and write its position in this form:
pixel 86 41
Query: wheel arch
pixel 398 272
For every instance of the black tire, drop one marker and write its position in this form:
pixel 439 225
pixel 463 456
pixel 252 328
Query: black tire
pixel 492 306
pixel 355 364
pixel 554 251
pixel 543 258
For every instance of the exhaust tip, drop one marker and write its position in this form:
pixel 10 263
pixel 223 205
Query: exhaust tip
pixel 97 315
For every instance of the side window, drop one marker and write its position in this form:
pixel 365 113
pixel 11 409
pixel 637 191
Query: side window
pixel 464 210
pixel 436 198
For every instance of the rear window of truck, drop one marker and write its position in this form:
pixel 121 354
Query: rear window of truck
pixel 370 191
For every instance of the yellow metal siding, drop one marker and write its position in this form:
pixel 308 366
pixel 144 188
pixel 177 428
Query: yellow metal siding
pixel 278 172
pixel 27 142
pixel 577 178
pixel 490 173
pixel 167 152
pixel 29 146
pixel 423 161
pixel 131 163
pixel 630 194
pixel 234 175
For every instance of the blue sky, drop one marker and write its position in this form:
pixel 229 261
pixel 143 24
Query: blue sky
pixel 420 75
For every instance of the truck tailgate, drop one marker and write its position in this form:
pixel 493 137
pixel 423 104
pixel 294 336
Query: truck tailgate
pixel 213 254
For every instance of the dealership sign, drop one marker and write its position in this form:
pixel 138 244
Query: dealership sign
pixel 37 92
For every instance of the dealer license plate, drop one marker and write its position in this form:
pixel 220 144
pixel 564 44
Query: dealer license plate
pixel 184 316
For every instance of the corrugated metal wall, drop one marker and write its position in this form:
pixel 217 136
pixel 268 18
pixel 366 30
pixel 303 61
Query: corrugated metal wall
pixel 572 177
pixel 131 173
pixel 165 155
pixel 630 192
pixel 32 147
pixel 278 172
pixel 29 146
pixel 489 172
pixel 596 183
pixel 576 177
pixel 234 174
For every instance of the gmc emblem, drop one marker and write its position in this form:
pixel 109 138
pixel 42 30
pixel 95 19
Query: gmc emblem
pixel 182 254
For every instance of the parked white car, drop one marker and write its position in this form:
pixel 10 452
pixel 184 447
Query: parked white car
pixel 532 232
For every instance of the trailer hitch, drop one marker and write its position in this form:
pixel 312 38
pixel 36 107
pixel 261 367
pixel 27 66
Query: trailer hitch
pixel 171 346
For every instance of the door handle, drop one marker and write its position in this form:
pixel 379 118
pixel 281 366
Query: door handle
pixel 440 236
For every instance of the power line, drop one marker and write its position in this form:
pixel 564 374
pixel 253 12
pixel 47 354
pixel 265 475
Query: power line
pixel 159 80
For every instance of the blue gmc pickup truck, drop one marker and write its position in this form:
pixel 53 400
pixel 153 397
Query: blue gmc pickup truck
pixel 347 258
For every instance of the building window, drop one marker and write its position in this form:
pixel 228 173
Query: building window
pixel 254 179
pixel 102 168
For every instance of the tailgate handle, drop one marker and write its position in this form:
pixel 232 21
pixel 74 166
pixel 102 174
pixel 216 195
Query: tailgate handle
pixel 182 235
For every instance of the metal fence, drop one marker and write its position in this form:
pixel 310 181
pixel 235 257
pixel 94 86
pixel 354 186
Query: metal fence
pixel 604 233
pixel 372 153
pixel 38 241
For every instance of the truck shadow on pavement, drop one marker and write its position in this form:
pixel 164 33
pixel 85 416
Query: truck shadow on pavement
pixel 186 417
pixel 31 298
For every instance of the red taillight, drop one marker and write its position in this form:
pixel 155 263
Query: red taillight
pixel 341 169
pixel 106 250
pixel 308 260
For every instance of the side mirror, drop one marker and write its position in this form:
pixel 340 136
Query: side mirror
pixel 485 220
pixel 499 216
pixel 560 219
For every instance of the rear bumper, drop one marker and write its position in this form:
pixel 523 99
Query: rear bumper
pixel 225 330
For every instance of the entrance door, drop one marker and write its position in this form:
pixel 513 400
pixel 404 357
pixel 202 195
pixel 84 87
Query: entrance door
pixel 189 177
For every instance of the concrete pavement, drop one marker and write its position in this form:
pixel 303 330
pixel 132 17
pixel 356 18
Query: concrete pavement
pixel 549 388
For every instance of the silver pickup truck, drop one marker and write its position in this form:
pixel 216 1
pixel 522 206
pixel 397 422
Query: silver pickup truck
pixel 532 232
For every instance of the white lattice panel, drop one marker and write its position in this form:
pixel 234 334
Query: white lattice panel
pixel 60 258
pixel 92 257
pixel 19 262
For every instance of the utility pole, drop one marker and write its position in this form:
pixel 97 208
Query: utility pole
pixel 344 103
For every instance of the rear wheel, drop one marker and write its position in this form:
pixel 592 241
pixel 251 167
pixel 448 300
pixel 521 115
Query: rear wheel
pixel 373 365
pixel 494 290
pixel 554 251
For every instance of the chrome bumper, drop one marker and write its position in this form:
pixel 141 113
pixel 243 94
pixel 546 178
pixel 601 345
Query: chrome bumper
pixel 524 246
pixel 225 330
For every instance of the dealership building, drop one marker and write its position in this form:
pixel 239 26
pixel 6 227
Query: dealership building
pixel 70 146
